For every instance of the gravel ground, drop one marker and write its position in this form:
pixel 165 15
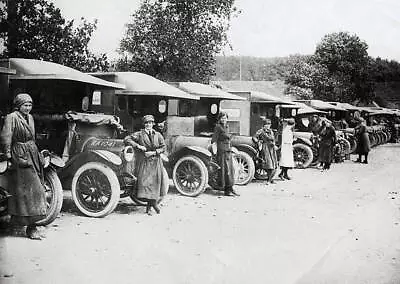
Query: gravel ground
pixel 341 226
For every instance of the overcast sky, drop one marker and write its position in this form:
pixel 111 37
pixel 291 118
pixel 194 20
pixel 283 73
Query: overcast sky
pixel 266 28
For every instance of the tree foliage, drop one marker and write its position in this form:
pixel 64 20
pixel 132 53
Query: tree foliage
pixel 36 29
pixel 339 70
pixel 175 39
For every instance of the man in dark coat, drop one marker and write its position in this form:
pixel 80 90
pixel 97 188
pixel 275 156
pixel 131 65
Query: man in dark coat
pixel 149 166
pixel 363 143
pixel 327 142
pixel 222 138
pixel 27 204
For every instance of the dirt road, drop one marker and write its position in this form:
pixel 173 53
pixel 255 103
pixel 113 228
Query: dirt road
pixel 341 226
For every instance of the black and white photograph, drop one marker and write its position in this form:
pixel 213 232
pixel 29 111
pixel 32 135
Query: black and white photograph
pixel 199 141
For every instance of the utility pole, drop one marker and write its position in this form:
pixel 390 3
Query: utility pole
pixel 240 68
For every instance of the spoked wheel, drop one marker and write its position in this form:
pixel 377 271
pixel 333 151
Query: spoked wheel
pixel 128 185
pixel 303 155
pixel 190 176
pixel 245 167
pixel 261 174
pixel 95 189
pixel 54 197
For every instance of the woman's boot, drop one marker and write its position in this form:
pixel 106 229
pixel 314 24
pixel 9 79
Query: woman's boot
pixel 270 176
pixel 366 159
pixel 33 233
pixel 285 175
pixel 148 207
pixel 281 174
pixel 155 206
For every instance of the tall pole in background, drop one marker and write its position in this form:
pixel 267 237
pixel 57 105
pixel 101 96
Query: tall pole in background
pixel 240 68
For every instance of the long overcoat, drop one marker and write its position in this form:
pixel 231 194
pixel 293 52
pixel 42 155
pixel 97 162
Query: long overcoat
pixel 287 160
pixel 363 143
pixel 327 142
pixel 224 157
pixel 267 138
pixel 150 172
pixel 27 203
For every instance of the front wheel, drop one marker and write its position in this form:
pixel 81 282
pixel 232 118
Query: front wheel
pixel 54 197
pixel 302 155
pixel 95 189
pixel 190 176
pixel 245 168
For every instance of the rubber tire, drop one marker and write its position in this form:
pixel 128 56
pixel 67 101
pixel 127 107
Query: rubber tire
pixel 114 184
pixel 345 146
pixel 246 158
pixel 353 144
pixel 307 150
pixel 203 179
pixel 56 202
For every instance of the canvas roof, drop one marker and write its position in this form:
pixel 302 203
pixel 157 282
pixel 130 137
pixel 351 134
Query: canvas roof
pixel 261 97
pixel 141 84
pixel 32 69
pixel 321 105
pixel 206 91
pixel 305 109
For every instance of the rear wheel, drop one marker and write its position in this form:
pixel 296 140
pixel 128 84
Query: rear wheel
pixel 303 155
pixel 245 167
pixel 54 197
pixel 190 176
pixel 95 189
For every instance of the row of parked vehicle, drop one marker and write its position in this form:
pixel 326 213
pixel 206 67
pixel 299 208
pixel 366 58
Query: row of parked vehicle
pixel 81 119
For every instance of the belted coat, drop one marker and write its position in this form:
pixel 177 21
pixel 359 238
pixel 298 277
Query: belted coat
pixel 222 137
pixel 152 178
pixel 27 203
pixel 267 138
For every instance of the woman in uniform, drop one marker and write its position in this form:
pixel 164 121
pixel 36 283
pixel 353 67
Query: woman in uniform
pixel 266 137
pixel 27 204
pixel 286 162
pixel 222 139
pixel 327 142
pixel 151 179
pixel 363 143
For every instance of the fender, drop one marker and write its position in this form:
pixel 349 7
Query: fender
pixel 303 140
pixel 108 156
pixel 56 161
pixel 247 148
pixel 201 152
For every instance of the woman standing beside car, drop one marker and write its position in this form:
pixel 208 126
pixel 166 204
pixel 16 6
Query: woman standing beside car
pixel 287 161
pixel 265 136
pixel 222 139
pixel 27 204
pixel 151 179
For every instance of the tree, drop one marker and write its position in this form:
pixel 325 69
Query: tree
pixel 176 40
pixel 36 29
pixel 346 59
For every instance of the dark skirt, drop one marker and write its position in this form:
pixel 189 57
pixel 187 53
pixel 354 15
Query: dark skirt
pixel 225 161
pixel 363 144
pixel 326 152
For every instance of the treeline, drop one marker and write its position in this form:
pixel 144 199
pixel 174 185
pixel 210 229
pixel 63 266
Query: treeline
pixel 227 68
pixel 247 68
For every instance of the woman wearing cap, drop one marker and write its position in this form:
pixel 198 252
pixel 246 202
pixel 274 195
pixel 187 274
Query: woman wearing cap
pixel 222 138
pixel 363 143
pixel 27 204
pixel 266 137
pixel 327 142
pixel 150 171
pixel 286 162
